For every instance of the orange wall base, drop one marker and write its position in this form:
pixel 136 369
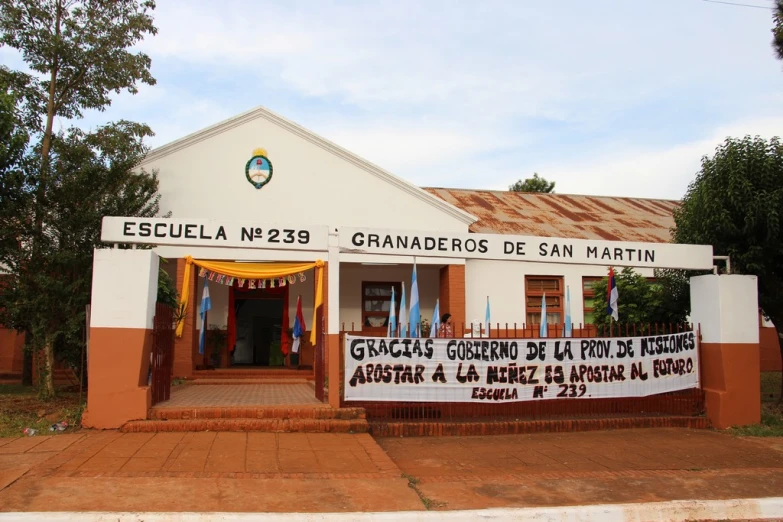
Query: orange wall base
pixel 770 350
pixel 334 363
pixel 118 368
pixel 730 376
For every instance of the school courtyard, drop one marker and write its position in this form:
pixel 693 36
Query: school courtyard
pixel 100 471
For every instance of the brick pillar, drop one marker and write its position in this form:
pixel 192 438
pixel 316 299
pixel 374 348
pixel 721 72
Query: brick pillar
pixel 187 345
pixel 726 309
pixel 452 293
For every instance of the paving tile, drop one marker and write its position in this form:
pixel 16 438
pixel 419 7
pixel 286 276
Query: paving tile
pixel 261 441
pixel 103 464
pixel 22 444
pixel 189 461
pixel 143 464
pixel 293 441
pixel 299 461
pixel 262 462
pixel 57 442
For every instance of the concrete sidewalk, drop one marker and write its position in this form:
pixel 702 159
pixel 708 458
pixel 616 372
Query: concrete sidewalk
pixel 333 473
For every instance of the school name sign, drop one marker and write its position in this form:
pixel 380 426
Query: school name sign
pixel 508 370
pixel 526 248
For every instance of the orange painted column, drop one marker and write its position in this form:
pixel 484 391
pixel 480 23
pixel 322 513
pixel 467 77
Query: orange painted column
pixel 124 292
pixel 726 309
pixel 452 293
pixel 186 347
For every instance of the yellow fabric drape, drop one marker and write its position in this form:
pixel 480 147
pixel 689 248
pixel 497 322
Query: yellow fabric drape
pixel 253 271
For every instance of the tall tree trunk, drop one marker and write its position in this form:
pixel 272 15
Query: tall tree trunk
pixel 46 146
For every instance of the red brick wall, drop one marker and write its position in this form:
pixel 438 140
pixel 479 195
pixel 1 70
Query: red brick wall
pixel 452 292
pixel 770 350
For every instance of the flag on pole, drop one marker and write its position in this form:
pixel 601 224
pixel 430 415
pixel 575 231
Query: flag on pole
pixel 299 325
pixel 403 320
pixel 567 331
pixel 391 330
pixel 486 316
pixel 542 331
pixel 206 305
pixel 612 296
pixel 414 316
pixel 435 319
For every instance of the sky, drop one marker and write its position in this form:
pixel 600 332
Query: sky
pixel 607 97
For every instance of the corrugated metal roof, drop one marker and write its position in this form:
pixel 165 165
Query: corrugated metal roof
pixel 561 215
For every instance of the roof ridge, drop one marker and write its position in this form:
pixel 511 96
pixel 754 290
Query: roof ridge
pixel 551 194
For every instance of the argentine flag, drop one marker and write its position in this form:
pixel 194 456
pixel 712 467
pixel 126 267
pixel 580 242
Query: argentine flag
pixel 567 331
pixel 542 332
pixel 206 306
pixel 486 316
pixel 403 314
pixel 435 320
pixel 391 330
pixel 415 315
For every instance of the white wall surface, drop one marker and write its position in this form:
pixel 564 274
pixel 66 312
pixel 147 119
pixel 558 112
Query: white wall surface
pixel 352 276
pixel 309 185
pixel 504 283
pixel 726 308
pixel 124 288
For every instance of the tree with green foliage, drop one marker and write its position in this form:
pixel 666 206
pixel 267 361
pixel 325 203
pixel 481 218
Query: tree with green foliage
pixel 777 30
pixel 78 52
pixel 534 184
pixel 735 204
pixel 641 301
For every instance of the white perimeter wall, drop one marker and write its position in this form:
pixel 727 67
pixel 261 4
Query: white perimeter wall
pixel 504 283
pixel 124 288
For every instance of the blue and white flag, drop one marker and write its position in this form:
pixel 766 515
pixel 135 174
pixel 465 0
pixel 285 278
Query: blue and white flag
pixel 403 314
pixel 391 330
pixel 542 332
pixel 567 331
pixel 435 319
pixel 299 325
pixel 486 316
pixel 206 305
pixel 414 317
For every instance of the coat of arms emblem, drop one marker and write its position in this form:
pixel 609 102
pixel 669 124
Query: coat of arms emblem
pixel 258 169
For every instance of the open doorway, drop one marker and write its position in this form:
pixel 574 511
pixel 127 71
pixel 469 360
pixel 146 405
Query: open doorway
pixel 259 326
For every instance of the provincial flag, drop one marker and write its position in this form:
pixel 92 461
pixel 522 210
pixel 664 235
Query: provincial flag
pixel 299 325
pixel 414 318
pixel 391 329
pixel 612 296
pixel 206 306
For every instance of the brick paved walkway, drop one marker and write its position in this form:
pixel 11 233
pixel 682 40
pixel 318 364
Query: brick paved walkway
pixel 343 472
pixel 241 395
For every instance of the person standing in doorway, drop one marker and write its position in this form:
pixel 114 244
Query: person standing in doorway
pixel 446 330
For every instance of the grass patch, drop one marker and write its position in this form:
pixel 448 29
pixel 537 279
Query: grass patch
pixel 429 504
pixel 20 408
pixel 771 410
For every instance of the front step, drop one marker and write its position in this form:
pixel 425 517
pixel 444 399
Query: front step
pixel 253 373
pixel 264 425
pixel 513 427
pixel 256 412
pixel 261 380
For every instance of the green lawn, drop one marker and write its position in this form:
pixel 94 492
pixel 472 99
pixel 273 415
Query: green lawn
pixel 20 409
pixel 771 411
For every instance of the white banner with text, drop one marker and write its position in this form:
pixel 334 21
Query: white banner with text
pixel 507 370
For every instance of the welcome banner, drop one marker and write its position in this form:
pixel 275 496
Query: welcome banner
pixel 506 370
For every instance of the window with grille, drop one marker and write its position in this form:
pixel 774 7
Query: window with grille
pixel 538 288
pixel 376 303
pixel 588 297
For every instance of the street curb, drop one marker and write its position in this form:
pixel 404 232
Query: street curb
pixel 680 510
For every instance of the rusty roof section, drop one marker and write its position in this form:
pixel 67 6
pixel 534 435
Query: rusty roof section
pixel 562 215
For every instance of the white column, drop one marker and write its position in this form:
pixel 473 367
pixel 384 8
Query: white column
pixel 726 307
pixel 333 287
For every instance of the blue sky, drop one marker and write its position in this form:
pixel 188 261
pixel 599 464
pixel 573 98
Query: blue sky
pixel 613 97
